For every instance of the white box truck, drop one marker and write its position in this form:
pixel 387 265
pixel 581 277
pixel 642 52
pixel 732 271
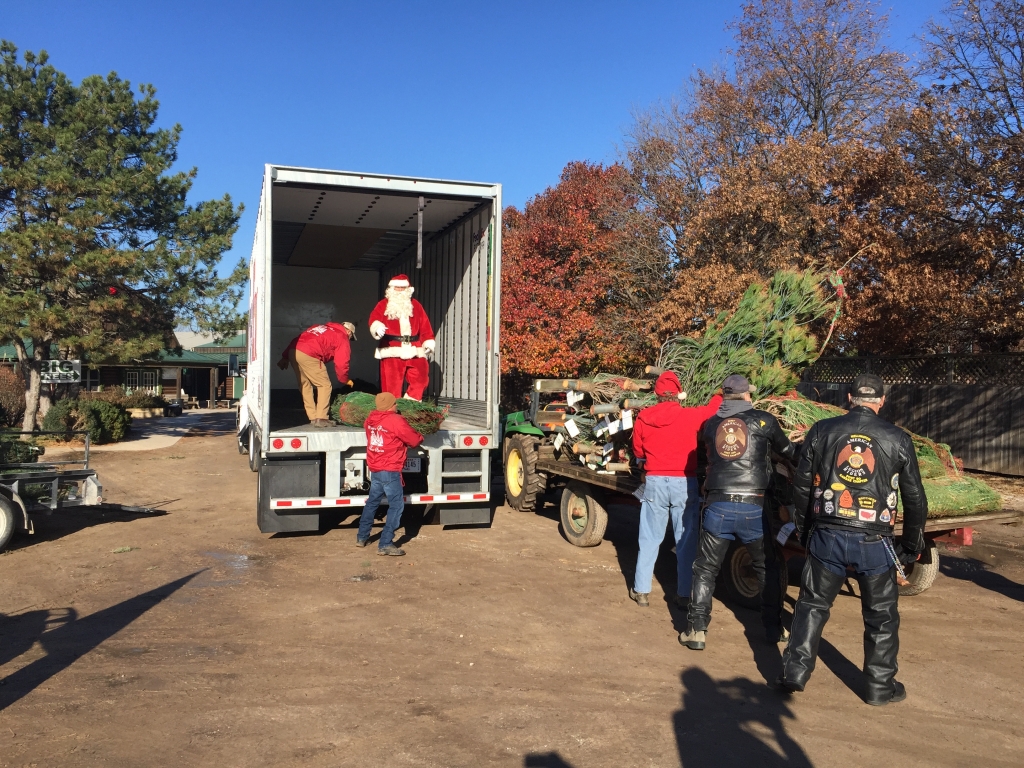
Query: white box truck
pixel 326 244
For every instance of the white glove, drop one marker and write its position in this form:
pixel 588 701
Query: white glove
pixel 377 329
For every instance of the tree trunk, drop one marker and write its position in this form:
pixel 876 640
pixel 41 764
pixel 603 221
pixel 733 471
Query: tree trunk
pixel 30 368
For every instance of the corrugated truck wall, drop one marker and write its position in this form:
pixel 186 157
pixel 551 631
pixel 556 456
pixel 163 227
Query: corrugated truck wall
pixel 453 288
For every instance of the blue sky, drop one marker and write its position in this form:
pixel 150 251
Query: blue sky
pixel 485 91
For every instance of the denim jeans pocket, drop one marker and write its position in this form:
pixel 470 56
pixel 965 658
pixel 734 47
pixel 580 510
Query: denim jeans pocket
pixel 714 522
pixel 873 556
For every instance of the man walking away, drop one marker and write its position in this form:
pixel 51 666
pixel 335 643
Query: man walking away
pixel 851 472
pixel 388 437
pixel 665 444
pixel 308 353
pixel 739 441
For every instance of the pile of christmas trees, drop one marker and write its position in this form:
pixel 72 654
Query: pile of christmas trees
pixel 353 408
pixel 768 339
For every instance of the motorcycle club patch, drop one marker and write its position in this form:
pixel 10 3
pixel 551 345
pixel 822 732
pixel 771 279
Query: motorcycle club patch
pixel 846 499
pixel 830 508
pixel 817 507
pixel 868 502
pixel 817 493
pixel 846 512
pixel 817 479
pixel 868 515
pixel 895 482
pixel 838 487
pixel 829 493
pixel 890 500
pixel 731 439
pixel 856 461
pixel 884 516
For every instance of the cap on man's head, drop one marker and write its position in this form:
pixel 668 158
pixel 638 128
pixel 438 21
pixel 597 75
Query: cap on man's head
pixel 399 281
pixel 667 384
pixel 736 385
pixel 351 328
pixel 384 401
pixel 867 385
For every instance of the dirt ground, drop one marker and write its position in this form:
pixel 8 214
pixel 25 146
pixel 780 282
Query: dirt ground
pixel 210 644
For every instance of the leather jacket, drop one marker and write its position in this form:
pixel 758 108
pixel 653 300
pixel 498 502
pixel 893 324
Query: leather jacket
pixel 851 471
pixel 739 450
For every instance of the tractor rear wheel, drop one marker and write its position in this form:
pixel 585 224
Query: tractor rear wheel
pixel 523 483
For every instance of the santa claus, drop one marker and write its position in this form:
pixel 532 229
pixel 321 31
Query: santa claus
pixel 405 340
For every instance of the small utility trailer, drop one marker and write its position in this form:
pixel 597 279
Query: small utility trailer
pixel 32 488
pixel 533 466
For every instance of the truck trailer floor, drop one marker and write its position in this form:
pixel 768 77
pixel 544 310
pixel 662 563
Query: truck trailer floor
pixel 191 639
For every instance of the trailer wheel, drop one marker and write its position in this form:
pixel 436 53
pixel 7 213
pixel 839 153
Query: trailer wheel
pixel 254 451
pixel 7 522
pixel 243 441
pixel 740 581
pixel 584 518
pixel 922 574
pixel 523 483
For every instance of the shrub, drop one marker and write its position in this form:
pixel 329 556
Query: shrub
pixel 118 396
pixel 12 397
pixel 105 422
pixel 13 450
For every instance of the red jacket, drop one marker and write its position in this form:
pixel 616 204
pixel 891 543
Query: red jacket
pixel 388 435
pixel 325 342
pixel 666 435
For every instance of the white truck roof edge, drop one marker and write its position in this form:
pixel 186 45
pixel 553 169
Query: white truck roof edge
pixel 287 174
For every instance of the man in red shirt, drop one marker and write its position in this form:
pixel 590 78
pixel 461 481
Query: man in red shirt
pixel 307 353
pixel 665 444
pixel 388 436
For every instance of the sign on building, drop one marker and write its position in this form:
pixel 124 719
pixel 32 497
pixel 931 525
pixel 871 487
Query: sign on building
pixel 61 371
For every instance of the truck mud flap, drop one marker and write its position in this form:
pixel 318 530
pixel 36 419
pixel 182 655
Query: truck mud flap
pixel 288 477
pixel 460 514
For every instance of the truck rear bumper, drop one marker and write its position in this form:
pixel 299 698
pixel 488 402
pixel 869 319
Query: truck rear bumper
pixel 317 504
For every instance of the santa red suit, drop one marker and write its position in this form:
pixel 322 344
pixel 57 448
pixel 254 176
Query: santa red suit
pixel 404 340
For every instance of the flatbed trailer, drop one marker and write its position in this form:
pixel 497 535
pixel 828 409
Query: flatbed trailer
pixel 533 466
pixel 29 488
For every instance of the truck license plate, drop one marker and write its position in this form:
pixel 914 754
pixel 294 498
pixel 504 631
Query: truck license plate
pixel 412 465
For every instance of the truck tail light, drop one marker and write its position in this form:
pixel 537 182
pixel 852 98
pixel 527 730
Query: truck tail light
pixel 278 443
pixel 467 441
pixel 483 440
pixel 296 443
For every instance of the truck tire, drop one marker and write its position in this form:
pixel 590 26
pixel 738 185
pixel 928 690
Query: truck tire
pixel 523 483
pixel 739 580
pixel 254 450
pixel 922 574
pixel 584 518
pixel 8 521
pixel 243 441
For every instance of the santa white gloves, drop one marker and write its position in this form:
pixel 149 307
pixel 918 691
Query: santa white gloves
pixel 378 329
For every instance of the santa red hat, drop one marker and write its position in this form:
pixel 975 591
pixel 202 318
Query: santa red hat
pixel 399 281
pixel 667 384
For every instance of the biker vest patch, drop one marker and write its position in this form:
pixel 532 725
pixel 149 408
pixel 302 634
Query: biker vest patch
pixel 731 439
pixel 856 461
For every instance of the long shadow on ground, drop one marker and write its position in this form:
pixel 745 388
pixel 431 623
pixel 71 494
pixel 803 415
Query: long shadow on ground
pixel 973 570
pixel 65 637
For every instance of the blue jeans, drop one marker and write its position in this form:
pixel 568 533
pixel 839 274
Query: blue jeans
pixel 837 549
pixel 383 484
pixel 664 498
pixel 732 520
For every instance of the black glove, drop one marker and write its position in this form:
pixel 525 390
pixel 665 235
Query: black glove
pixel 906 558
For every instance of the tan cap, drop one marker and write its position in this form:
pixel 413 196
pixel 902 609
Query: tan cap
pixel 384 401
pixel 351 327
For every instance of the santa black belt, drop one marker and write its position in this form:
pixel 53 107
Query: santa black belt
pixel 403 339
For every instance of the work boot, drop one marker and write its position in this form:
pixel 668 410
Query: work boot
pixel 362 542
pixel 391 550
pixel 899 694
pixel 693 639
pixel 640 598
pixel 788 686
pixel 320 423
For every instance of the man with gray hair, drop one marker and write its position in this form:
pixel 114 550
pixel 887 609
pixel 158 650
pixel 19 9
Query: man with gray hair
pixel 845 491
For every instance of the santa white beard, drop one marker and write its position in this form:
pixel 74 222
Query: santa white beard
pixel 399 304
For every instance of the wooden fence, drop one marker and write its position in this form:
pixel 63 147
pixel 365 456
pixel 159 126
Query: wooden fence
pixel 982 421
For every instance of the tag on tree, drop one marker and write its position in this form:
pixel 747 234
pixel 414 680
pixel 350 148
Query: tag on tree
pixel 785 532
pixel 572 429
pixel 559 441
pixel 614 427
pixel 627 420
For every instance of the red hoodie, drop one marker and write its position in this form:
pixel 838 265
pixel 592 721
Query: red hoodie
pixel 666 435
pixel 324 342
pixel 388 435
